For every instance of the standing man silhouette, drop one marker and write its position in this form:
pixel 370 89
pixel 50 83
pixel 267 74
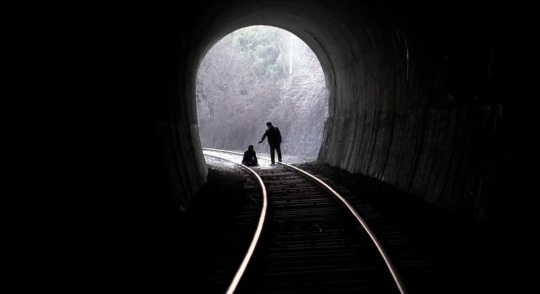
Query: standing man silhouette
pixel 274 140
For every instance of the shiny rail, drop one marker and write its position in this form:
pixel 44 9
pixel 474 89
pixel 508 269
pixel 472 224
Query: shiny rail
pixel 256 236
pixel 367 229
pixel 386 258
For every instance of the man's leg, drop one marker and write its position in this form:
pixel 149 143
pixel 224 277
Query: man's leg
pixel 278 149
pixel 272 153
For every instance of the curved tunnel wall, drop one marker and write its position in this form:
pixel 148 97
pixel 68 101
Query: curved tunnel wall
pixel 414 97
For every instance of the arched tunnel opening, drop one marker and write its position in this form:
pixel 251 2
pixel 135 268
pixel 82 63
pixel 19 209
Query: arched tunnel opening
pixel 424 97
pixel 409 95
pixel 255 75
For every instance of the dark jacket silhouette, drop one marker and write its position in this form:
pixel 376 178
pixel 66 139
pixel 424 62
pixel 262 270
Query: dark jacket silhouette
pixel 274 140
pixel 250 157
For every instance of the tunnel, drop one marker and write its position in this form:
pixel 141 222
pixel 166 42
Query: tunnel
pixel 422 96
pixel 419 95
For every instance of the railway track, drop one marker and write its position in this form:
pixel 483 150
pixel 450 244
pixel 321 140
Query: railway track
pixel 301 237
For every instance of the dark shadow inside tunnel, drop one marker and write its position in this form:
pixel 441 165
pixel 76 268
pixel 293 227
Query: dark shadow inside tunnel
pixel 258 74
pixel 430 99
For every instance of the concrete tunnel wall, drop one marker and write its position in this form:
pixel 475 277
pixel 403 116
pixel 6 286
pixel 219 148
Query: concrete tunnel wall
pixel 417 107
pixel 416 98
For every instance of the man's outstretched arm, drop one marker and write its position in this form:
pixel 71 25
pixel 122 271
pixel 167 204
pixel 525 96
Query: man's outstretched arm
pixel 264 136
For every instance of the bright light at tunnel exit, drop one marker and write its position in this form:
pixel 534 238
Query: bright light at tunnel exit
pixel 258 74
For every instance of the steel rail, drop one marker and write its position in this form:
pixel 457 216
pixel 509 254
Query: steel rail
pixel 397 279
pixel 389 264
pixel 241 270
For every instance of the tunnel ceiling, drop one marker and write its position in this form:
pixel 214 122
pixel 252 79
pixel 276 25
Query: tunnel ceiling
pixel 360 44
pixel 327 28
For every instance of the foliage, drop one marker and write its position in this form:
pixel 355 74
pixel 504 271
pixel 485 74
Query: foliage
pixel 244 81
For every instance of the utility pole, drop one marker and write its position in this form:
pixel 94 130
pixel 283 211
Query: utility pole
pixel 290 53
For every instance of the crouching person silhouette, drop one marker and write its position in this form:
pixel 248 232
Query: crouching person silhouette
pixel 250 157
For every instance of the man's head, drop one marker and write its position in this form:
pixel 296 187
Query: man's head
pixel 250 147
pixel 268 124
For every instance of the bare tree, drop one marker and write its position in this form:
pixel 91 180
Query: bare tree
pixel 242 83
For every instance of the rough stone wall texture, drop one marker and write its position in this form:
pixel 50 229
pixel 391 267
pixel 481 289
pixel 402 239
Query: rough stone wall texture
pixel 184 162
pixel 453 158
pixel 422 115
